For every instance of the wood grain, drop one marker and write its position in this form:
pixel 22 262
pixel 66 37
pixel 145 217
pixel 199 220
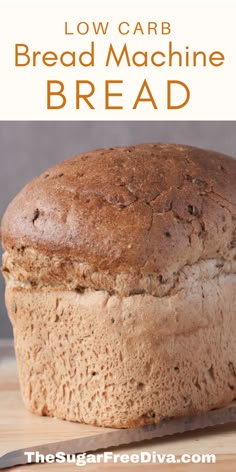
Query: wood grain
pixel 21 429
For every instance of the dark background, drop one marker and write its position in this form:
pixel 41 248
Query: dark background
pixel 28 148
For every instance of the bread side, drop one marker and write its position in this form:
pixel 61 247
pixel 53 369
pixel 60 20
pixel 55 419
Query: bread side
pixel 120 362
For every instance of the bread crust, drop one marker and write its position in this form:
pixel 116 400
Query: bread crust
pixel 139 213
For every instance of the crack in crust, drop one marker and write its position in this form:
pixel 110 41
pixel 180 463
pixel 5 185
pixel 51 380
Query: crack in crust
pixel 73 275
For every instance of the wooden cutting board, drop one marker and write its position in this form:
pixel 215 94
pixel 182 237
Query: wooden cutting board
pixel 21 429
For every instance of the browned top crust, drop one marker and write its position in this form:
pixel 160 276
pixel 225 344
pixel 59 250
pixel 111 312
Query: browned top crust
pixel 146 210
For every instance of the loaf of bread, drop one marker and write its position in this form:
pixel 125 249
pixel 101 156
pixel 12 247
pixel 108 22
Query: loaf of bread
pixel 120 268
